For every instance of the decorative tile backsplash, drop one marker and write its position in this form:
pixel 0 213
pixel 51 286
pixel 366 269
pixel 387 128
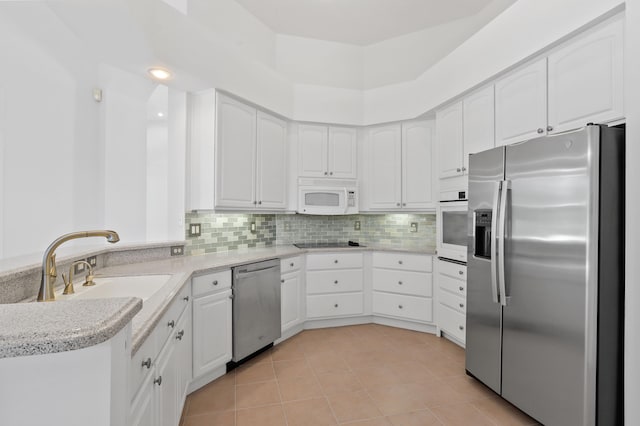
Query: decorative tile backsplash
pixel 222 232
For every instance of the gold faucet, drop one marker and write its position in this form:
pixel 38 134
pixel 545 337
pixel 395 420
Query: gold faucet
pixel 49 271
pixel 88 280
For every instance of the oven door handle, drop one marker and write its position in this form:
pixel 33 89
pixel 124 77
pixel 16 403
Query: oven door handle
pixel 493 253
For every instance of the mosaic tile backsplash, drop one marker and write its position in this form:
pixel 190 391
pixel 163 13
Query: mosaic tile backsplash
pixel 222 232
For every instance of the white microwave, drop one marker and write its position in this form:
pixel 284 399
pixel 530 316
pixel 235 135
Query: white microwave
pixel 327 196
pixel 452 232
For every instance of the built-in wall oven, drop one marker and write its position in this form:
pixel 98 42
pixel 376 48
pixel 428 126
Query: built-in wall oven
pixel 452 230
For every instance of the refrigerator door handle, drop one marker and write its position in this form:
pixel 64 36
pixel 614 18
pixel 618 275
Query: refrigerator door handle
pixel 505 187
pixel 494 246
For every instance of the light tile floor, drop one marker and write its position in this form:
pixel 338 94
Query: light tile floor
pixel 368 375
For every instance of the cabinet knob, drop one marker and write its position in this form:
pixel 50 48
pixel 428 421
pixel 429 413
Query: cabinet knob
pixel 259 202
pixel 462 305
pixel 255 202
pixel 215 282
pixel 458 170
pixel 460 272
pixel 464 169
pixel 335 261
pixel 335 306
pixel 461 288
pixel 282 281
pixel 404 204
pixel 291 264
pixel 147 363
pixel 549 128
pixel 397 204
pixel 400 306
pixel 399 262
pixel 186 298
pixel 179 335
pixel 171 324
pixel 325 173
pixel 158 381
pixel 461 327
pixel 331 173
pixel 400 282
pixel 335 282
pixel 231 296
pixel 540 130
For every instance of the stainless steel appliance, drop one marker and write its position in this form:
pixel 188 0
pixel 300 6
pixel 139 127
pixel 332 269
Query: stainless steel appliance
pixel 545 275
pixel 256 307
pixel 327 196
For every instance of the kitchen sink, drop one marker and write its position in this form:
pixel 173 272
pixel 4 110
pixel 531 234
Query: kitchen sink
pixel 142 286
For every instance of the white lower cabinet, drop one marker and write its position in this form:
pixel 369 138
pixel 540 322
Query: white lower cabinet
pixel 212 344
pixel 452 299
pixel 334 285
pixel 158 380
pixel 402 286
pixel 291 293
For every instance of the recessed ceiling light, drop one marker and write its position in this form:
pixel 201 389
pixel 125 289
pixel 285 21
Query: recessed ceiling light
pixel 160 73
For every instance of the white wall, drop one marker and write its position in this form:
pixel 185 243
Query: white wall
pixel 632 266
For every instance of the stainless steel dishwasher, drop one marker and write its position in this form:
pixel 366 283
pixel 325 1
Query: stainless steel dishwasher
pixel 256 307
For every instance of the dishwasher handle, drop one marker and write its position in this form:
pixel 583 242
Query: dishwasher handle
pixel 245 273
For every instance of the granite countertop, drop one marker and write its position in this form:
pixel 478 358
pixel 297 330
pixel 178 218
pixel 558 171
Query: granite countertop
pixel 41 328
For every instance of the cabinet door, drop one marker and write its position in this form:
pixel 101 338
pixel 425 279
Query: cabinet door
pixel 290 299
pixel 167 386
pixel 271 183
pixel 586 79
pixel 418 144
pixel 385 184
pixel 312 151
pixel 184 356
pixel 342 157
pixel 211 332
pixel 143 407
pixel 449 134
pixel 521 104
pixel 235 154
pixel 478 118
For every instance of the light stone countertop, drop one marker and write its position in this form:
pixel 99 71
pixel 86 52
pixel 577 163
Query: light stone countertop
pixel 40 328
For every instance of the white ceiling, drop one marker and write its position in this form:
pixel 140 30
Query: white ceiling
pixel 360 22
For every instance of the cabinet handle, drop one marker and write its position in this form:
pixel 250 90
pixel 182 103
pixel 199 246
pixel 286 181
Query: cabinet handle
pixel 147 363
pixel 158 381
pixel 458 170
pixel 186 298
pixel 331 173
pixel 460 272
pixel 400 282
pixel 282 281
pixel 462 305
pixel 549 128
pixel 335 282
pixel 335 261
pixel 335 306
pixel 461 327
pixel 400 306
pixel 179 335
pixel 215 282
pixel 540 130
pixel 461 288
pixel 171 324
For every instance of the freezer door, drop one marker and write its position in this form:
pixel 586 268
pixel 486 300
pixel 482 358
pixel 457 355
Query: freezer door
pixel 548 347
pixel 483 339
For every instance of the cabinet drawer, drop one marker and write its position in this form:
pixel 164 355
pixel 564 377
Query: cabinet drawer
pixel 409 307
pixel 334 261
pixel 403 261
pixel 210 283
pixel 405 282
pixel 290 264
pixel 453 285
pixel 338 281
pixel 451 322
pixel 334 305
pixel 453 270
pixel 147 353
pixel 170 318
pixel 453 301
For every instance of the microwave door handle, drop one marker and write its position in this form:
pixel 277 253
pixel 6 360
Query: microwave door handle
pixel 506 186
pixel 494 245
pixel 346 200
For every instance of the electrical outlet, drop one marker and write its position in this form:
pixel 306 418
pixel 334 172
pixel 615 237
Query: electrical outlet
pixel 93 261
pixel 195 230
pixel 252 227
pixel 177 250
pixel 287 226
pixel 79 268
pixel 356 225
pixel 414 226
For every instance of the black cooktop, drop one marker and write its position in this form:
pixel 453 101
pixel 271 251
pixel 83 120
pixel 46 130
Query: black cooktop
pixel 350 244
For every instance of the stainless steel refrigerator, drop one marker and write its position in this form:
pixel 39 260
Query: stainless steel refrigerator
pixel 545 291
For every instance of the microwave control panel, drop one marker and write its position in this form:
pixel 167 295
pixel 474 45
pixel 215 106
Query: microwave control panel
pixel 351 198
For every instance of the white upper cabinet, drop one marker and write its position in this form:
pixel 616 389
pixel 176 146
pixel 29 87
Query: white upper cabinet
pixel 521 104
pixel 327 151
pixel 401 166
pixel 385 163
pixel 478 121
pixel 312 148
pixel 342 152
pixel 418 147
pixel 586 79
pixel 251 158
pixel 271 183
pixel 449 134
pixel 235 154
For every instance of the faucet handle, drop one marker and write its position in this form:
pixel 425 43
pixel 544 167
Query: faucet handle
pixel 53 272
pixel 68 285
